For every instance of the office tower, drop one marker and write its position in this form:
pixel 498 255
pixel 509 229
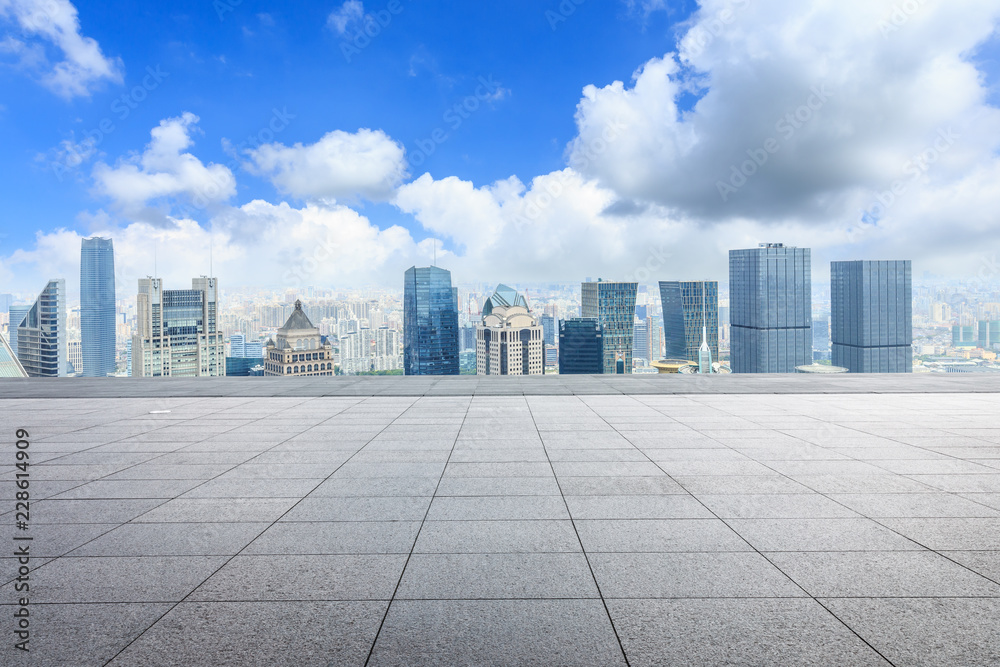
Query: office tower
pixel 963 336
pixel 509 340
pixel 237 345
pixel 655 338
pixel 640 339
pixel 770 300
pixel 298 349
pixel 689 307
pixel 468 336
pixel 17 315
pixel 10 367
pixel 872 316
pixel 821 336
pixel 581 347
pixel 41 336
pixel 550 329
pixel 6 301
pixel 989 334
pixel 128 358
pixel 177 331
pixel 97 308
pixel 430 322
pixel 612 304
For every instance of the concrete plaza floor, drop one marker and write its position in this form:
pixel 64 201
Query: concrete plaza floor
pixel 568 528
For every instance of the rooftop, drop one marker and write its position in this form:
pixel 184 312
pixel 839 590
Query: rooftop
pixel 575 520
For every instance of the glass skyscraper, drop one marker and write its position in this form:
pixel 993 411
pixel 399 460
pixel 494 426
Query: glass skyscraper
pixel 770 300
pixel 41 336
pixel 430 322
pixel 612 304
pixel 872 316
pixel 97 307
pixel 688 307
pixel 581 347
pixel 17 315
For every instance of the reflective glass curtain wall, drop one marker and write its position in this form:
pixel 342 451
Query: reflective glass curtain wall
pixel 430 322
pixel 872 318
pixel 97 307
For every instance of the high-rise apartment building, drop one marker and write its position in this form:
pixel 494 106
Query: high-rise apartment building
pixel 430 322
pixel 509 340
pixel 41 336
pixel 770 300
pixel 963 335
pixel 177 331
pixel 612 304
pixel 989 334
pixel 872 316
pixel 655 338
pixel 689 307
pixel 298 349
pixel 97 308
pixel 581 347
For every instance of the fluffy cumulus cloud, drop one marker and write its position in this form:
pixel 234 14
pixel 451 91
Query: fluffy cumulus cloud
pixel 56 23
pixel 345 15
pixel 165 171
pixel 807 113
pixel 367 164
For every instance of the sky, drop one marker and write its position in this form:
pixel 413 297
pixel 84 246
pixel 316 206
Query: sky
pixel 336 144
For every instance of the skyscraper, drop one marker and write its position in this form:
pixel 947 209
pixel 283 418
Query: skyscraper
pixel 550 328
pixel 612 304
pixel 872 316
pixel 770 299
pixel 97 307
pixel 581 347
pixel 177 331
pixel 430 322
pixel 688 307
pixel 640 339
pixel 17 315
pixel 41 336
pixel 5 302
pixel 510 340
pixel 989 334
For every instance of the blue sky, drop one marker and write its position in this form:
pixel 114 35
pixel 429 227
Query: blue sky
pixel 528 183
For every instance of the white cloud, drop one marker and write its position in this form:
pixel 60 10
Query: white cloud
pixel 341 165
pixel 56 21
pixel 163 171
pixel 349 12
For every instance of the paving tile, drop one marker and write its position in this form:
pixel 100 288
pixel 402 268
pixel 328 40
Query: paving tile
pixel 119 579
pixel 739 484
pixel 371 508
pixel 820 535
pixel 986 563
pixel 375 486
pixel 637 507
pixel 497 537
pixel 950 534
pixel 84 635
pixel 479 632
pixel 52 540
pixel 327 577
pixel 882 574
pixel 128 489
pixel 659 535
pixel 913 505
pixel 496 576
pixel 498 486
pixel 926 632
pixel 173 539
pixel 355 537
pixel 279 634
pixel 611 486
pixel 91 511
pixel 783 632
pixel 690 575
pixel 497 508
pixel 775 506
pixel 253 488
pixel 226 510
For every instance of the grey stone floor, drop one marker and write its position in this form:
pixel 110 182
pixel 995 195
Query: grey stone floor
pixel 711 529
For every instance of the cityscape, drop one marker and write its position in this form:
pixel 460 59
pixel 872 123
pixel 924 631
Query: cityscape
pixel 768 318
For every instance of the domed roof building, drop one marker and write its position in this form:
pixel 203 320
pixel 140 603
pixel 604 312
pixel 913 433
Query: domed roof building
pixel 510 340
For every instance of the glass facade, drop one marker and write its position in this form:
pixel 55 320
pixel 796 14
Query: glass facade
pixel 430 322
pixel 872 319
pixel 17 315
pixel 687 307
pixel 770 300
pixel 97 307
pixel 41 337
pixel 581 347
pixel 612 304
pixel 989 334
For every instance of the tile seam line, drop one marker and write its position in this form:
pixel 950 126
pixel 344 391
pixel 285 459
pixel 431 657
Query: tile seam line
pixel 301 401
pixel 402 573
pixel 569 513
